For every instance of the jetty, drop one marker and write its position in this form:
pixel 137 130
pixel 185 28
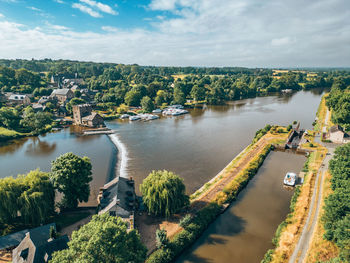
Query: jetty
pixel 98 131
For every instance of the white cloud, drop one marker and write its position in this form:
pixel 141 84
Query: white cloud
pixel 109 29
pixel 35 9
pixel 281 41
pixel 250 33
pixel 100 6
pixel 1 15
pixel 59 1
pixel 163 4
pixel 86 10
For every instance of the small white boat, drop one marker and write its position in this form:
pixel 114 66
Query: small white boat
pixel 157 111
pixel 148 117
pixel 124 116
pixel 290 179
pixel 134 118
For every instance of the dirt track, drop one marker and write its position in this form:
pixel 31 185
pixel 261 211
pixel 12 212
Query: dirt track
pixel 217 187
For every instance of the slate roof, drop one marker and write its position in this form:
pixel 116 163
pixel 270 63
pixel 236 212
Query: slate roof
pixel 17 97
pixel 119 197
pixel 15 238
pixel 37 247
pixel 62 92
pixel 12 240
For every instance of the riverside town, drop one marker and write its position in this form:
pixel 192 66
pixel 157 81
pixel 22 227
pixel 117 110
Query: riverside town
pixel 164 131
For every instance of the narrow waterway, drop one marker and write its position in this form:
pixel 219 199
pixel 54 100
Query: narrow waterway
pixel 243 233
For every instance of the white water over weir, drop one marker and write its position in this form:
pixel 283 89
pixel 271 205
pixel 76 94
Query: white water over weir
pixel 122 155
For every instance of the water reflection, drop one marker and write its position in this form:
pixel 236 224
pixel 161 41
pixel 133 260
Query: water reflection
pixel 39 147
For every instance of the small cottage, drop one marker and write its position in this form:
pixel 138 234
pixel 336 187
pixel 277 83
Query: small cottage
pixel 62 95
pixel 336 134
pixel 18 99
pixel 37 246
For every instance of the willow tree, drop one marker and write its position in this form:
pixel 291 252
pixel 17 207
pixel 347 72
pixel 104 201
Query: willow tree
pixel 10 190
pixel 71 175
pixel 37 200
pixel 163 193
pixel 32 195
pixel 104 239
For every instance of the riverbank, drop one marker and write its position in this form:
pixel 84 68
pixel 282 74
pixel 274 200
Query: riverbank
pixel 8 135
pixel 213 199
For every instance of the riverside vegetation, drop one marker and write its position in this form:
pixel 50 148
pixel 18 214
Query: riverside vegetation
pixel 32 196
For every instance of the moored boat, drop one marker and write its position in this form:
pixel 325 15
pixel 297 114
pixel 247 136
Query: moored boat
pixel 290 179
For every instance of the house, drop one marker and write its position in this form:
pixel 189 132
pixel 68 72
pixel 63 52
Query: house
pixel 19 99
pixel 45 99
pixel 336 134
pixel 37 246
pixel 38 107
pixel 62 95
pixel 83 115
pixel 118 198
pixel 93 120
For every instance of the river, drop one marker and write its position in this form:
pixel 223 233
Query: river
pixel 195 146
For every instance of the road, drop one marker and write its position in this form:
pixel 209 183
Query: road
pixel 302 246
pixel 300 251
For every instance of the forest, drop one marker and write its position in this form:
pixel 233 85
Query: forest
pixel 117 84
pixel 337 206
pixel 339 102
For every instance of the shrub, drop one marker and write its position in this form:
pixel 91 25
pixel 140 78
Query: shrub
pixel 185 220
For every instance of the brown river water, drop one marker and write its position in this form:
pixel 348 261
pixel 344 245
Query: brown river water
pixel 195 146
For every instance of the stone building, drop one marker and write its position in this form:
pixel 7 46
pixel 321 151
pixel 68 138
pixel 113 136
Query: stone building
pixel 62 95
pixel 83 115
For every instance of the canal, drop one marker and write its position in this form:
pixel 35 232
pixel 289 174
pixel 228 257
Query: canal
pixel 244 232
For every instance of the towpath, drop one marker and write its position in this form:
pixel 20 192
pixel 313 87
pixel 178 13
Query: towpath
pixel 229 174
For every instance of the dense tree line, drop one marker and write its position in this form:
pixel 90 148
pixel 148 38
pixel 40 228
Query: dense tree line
pixel 338 101
pixel 118 84
pixel 30 198
pixel 337 206
pixel 19 80
pixel 24 119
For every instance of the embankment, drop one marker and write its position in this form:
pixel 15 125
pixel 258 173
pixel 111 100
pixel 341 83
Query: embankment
pixel 207 206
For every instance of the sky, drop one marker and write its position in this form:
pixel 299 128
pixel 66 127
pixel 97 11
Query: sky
pixel 247 33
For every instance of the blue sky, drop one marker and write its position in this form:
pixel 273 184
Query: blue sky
pixel 251 33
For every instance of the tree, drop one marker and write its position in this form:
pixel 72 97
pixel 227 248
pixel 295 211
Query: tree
pixel 9 118
pixel 198 93
pixel 161 238
pixel 133 98
pixel 71 176
pixel 32 195
pixel 147 104
pixel 104 239
pixel 179 96
pixel 163 193
pixel 35 122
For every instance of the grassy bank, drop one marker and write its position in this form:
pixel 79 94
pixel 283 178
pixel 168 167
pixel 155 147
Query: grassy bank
pixel 206 215
pixel 6 134
pixel 321 249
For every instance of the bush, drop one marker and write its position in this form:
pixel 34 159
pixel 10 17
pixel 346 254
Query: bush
pixel 185 220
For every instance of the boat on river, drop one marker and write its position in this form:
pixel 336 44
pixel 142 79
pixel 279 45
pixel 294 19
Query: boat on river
pixel 290 179
pixel 134 118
